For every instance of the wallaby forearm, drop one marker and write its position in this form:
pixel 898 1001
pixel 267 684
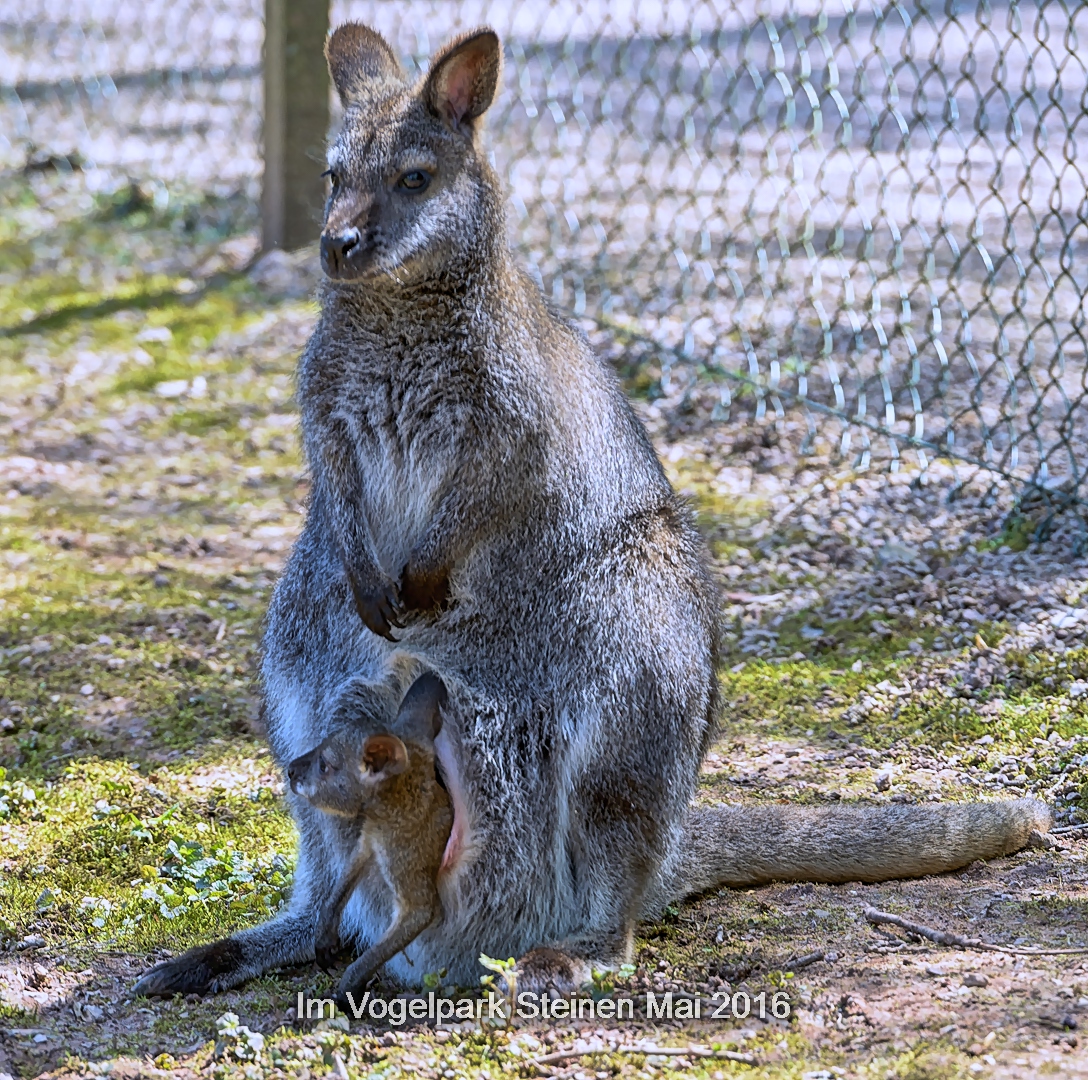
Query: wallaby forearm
pixel 755 844
pixel 344 888
pixel 327 935
pixel 401 934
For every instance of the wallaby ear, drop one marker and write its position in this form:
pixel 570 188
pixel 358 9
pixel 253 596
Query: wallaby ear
pixel 359 58
pixel 464 77
pixel 384 755
pixel 420 712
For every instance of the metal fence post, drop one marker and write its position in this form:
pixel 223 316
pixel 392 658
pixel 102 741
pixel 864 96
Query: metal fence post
pixel 296 121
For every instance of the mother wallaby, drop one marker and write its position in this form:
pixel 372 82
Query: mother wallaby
pixel 486 505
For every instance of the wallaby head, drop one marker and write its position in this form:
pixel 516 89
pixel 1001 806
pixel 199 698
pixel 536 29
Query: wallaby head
pixel 346 772
pixel 341 776
pixel 410 190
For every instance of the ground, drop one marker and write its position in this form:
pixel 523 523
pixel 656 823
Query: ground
pixel 883 643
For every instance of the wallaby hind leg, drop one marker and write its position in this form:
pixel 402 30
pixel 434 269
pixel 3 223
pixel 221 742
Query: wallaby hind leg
pixel 283 941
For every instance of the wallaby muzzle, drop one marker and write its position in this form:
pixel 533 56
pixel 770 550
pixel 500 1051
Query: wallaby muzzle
pixel 340 253
pixel 298 770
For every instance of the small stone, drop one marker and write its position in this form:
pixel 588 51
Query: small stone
pixel 975 978
pixel 172 388
pixel 160 581
pixel 1078 689
pixel 154 333
pixel 1066 620
pixel 896 553
pixel 883 781
pixel 86 689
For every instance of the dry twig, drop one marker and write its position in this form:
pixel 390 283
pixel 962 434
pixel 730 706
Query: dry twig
pixel 943 937
pixel 804 961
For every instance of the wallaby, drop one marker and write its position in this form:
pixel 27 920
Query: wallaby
pixel 383 783
pixel 484 494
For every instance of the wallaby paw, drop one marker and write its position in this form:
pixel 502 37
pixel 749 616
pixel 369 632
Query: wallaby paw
pixel 379 608
pixel 551 971
pixel 207 969
pixel 424 588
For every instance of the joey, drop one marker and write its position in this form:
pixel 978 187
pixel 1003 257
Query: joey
pixel 384 784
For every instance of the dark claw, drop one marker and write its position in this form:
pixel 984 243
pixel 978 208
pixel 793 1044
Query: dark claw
pixel 379 611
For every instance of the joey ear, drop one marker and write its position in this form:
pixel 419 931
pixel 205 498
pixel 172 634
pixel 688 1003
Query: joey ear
pixel 463 78
pixel 359 59
pixel 384 755
pixel 420 712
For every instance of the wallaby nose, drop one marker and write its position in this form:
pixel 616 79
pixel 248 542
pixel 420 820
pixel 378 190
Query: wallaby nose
pixel 297 769
pixel 336 248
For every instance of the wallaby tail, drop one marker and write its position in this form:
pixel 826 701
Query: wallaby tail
pixel 756 844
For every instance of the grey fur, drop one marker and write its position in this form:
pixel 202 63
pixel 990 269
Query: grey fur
pixel 480 478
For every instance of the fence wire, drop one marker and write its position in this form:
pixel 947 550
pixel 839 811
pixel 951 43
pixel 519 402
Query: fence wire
pixel 875 215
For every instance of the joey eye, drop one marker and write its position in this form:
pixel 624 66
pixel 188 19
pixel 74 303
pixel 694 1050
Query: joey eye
pixel 322 766
pixel 415 180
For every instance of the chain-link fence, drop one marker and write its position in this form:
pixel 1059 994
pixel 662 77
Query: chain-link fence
pixel 873 216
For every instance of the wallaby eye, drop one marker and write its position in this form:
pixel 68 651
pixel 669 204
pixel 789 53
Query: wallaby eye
pixel 333 177
pixel 415 180
pixel 322 765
